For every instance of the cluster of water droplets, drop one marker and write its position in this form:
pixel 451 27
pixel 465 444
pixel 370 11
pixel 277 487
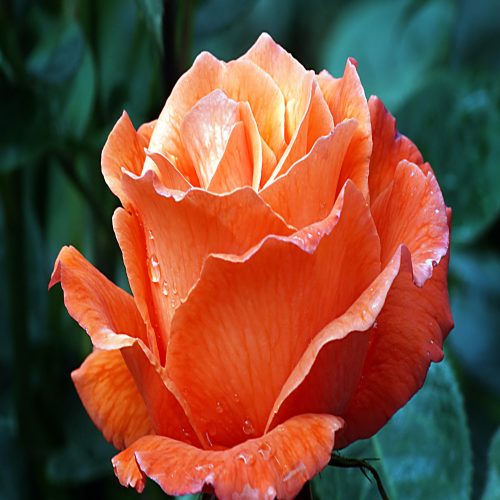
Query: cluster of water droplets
pixel 155 273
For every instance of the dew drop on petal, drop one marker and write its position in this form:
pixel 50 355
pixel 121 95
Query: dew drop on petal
pixel 150 235
pixel 236 397
pixel 154 269
pixel 164 289
pixel 246 458
pixel 265 450
pixel 218 407
pixel 248 427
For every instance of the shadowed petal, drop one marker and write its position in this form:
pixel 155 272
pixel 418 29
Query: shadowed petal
pixel 275 465
pixel 307 193
pixel 346 99
pixel 411 211
pixel 389 148
pixel 111 398
pixel 407 336
pixel 252 317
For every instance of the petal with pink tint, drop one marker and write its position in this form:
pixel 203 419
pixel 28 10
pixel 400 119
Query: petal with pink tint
pixel 316 121
pixel 201 79
pixel 296 85
pixel 275 465
pixel 111 398
pixel 346 99
pixel 205 132
pixel 389 148
pixel 235 168
pixel 411 211
pixel 252 317
pixel 183 231
pixel 245 81
pixel 307 193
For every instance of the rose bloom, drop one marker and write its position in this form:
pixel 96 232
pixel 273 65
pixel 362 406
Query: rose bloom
pixel 287 252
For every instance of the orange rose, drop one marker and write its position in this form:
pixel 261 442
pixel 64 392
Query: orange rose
pixel 287 252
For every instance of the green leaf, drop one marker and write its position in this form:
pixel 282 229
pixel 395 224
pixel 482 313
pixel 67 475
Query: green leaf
pixel 492 490
pixel 394 44
pixel 153 12
pixel 475 301
pixel 58 54
pixel 424 450
pixel 78 100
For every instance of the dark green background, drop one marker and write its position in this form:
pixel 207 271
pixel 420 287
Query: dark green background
pixel 69 68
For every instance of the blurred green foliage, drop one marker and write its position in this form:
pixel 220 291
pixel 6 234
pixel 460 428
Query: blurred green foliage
pixel 67 70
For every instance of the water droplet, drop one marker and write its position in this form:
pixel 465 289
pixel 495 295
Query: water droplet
pixel 270 493
pixel 236 397
pixel 209 439
pixel 218 407
pixel 436 211
pixel 172 303
pixel 246 458
pixel 164 289
pixel 150 235
pixel 265 450
pixel 154 269
pixel 174 289
pixel 248 427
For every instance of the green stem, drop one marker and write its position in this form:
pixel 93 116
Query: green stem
pixel 364 466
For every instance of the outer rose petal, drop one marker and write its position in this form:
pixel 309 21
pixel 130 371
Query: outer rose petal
pixel 346 99
pixel 275 465
pixel 389 148
pixel 124 148
pixel 111 319
pixel 411 211
pixel 251 318
pixel 306 193
pixel 407 336
pixel 182 231
pixel 111 398
pixel 107 313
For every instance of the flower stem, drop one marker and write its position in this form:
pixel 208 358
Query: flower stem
pixel 363 465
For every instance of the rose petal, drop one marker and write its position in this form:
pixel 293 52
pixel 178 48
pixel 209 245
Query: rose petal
pixel 110 317
pixel 111 398
pixel 240 81
pixel 168 174
pixel 245 81
pixel 327 374
pixel 252 317
pixel 107 313
pixel 411 211
pixel 275 465
pixel 408 335
pixel 307 193
pixel 124 148
pixel 389 148
pixel 295 83
pixel 182 231
pixel 346 99
pixel 205 132
pixel 236 167
pixel 146 130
